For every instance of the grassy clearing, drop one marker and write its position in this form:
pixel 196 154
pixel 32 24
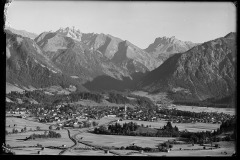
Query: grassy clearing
pixel 87 152
pixel 118 140
pixel 226 146
pixel 154 97
pixel 21 123
pixel 10 88
pixel 196 109
pixel 17 139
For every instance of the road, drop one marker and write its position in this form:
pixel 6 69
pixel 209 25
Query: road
pixel 77 141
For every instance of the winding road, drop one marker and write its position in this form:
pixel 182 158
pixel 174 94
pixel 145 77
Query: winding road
pixel 77 141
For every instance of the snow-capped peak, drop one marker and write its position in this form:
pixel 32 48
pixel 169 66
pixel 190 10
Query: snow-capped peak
pixel 70 32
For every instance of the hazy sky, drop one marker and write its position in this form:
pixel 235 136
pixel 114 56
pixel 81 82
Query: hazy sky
pixel 138 22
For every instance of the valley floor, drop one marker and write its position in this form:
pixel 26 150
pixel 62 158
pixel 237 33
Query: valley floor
pixel 89 139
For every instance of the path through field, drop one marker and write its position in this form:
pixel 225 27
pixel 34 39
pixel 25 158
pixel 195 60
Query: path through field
pixel 77 141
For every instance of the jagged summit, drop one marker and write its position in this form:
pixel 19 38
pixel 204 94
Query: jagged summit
pixel 231 35
pixel 165 40
pixel 205 71
pixel 70 32
pixel 164 47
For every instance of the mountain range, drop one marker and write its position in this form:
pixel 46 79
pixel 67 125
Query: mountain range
pixel 203 72
pixel 91 61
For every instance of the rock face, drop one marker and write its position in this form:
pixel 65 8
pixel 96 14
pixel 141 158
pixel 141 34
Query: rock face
pixel 164 47
pixel 27 65
pixel 205 71
pixel 70 32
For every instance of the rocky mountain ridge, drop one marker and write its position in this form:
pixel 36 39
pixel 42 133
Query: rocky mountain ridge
pixel 203 72
pixel 22 33
pixel 104 62
pixel 164 47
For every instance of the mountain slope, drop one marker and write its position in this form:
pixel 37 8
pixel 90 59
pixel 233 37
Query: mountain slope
pixel 27 65
pixel 124 54
pixel 91 55
pixel 22 33
pixel 76 58
pixel 164 47
pixel 205 71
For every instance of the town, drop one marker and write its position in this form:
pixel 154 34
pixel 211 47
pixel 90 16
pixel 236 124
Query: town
pixel 71 114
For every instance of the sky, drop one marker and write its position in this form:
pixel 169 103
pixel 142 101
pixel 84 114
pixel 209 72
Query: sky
pixel 138 22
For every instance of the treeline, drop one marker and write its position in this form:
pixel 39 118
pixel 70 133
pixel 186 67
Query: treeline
pixel 183 98
pixel 115 97
pixel 41 97
pixel 202 104
pixel 175 112
pixel 116 128
pixel 76 96
pixel 51 134
pixel 130 129
pixel 228 125
pixel 45 99
pixel 168 131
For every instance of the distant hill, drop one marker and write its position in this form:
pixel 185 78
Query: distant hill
pixel 203 72
pixel 22 33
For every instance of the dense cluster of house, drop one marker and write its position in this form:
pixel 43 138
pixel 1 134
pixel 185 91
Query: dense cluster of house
pixel 56 114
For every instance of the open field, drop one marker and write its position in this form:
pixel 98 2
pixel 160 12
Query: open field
pixel 21 123
pixel 228 147
pixel 11 87
pixel 231 111
pixel 109 140
pixel 163 98
pixel 87 153
pixel 106 120
pixel 154 97
pixel 34 151
pixel 118 140
pixel 191 127
pixel 17 139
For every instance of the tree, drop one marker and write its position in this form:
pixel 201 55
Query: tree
pixel 227 138
pixel 169 126
pixel 37 128
pixel 50 127
pixel 45 133
pixel 194 138
pixel 102 129
pixel 94 123
pixel 217 145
